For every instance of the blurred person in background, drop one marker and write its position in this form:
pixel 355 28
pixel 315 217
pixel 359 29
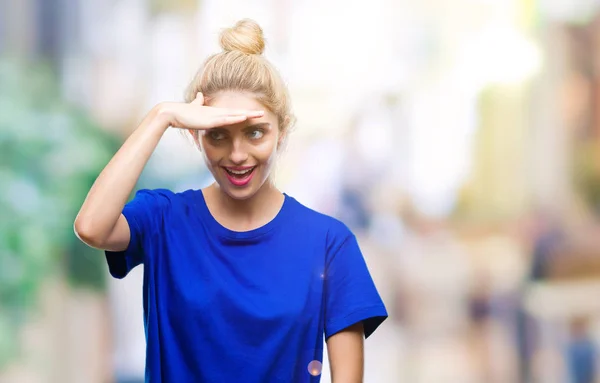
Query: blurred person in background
pixel 241 281
pixel 581 352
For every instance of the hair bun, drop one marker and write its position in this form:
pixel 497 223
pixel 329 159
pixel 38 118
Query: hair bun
pixel 245 36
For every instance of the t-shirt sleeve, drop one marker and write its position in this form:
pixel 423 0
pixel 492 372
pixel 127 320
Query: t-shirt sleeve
pixel 144 214
pixel 350 293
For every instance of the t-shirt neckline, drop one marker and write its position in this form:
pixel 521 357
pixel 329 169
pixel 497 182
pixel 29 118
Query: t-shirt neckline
pixel 220 230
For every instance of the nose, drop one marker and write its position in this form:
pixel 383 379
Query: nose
pixel 238 154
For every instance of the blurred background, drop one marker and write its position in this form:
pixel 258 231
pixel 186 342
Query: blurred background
pixel 460 140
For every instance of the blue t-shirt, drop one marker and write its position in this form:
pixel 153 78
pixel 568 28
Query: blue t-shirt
pixel 253 307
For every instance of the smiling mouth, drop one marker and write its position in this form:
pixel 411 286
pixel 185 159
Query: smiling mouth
pixel 240 174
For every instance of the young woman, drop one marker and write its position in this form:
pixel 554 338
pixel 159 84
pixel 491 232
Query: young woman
pixel 241 281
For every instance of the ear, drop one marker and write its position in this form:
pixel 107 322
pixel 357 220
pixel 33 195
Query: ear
pixel 283 132
pixel 281 139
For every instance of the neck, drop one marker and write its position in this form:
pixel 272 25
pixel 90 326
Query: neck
pixel 256 210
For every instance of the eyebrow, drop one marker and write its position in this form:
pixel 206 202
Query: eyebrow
pixel 264 125
pixel 258 125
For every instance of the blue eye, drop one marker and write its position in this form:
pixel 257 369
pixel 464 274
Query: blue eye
pixel 256 134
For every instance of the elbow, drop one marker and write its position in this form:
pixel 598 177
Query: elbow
pixel 87 233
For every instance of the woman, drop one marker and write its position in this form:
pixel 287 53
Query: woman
pixel 241 281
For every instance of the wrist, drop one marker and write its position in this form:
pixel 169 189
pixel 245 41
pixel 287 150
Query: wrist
pixel 163 113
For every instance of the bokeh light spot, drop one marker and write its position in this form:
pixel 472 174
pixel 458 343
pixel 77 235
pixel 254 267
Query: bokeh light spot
pixel 315 367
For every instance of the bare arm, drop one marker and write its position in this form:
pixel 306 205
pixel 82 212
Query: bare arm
pixel 100 223
pixel 346 355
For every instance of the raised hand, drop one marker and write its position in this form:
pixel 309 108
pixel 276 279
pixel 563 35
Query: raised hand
pixel 197 116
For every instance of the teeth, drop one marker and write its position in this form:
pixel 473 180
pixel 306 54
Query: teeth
pixel 239 172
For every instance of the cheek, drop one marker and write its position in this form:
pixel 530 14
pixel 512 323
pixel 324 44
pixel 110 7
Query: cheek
pixel 209 153
pixel 267 152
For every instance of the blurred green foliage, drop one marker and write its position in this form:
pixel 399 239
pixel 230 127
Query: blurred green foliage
pixel 50 154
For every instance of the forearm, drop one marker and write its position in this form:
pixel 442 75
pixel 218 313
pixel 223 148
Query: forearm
pixel 107 197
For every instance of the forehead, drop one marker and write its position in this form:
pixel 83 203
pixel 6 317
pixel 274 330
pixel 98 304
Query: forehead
pixel 236 100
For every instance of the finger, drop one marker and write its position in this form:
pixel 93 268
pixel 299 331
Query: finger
pixel 228 120
pixel 255 113
pixel 244 112
pixel 199 100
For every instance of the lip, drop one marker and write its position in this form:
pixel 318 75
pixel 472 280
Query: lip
pixel 239 182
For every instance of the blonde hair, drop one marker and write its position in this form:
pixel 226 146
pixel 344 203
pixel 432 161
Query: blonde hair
pixel 242 67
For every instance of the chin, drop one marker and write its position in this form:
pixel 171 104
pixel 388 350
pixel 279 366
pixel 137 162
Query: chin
pixel 240 194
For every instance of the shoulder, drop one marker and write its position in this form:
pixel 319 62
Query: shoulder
pixel 334 231
pixel 164 194
pixel 155 193
pixel 162 199
pixel 150 209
